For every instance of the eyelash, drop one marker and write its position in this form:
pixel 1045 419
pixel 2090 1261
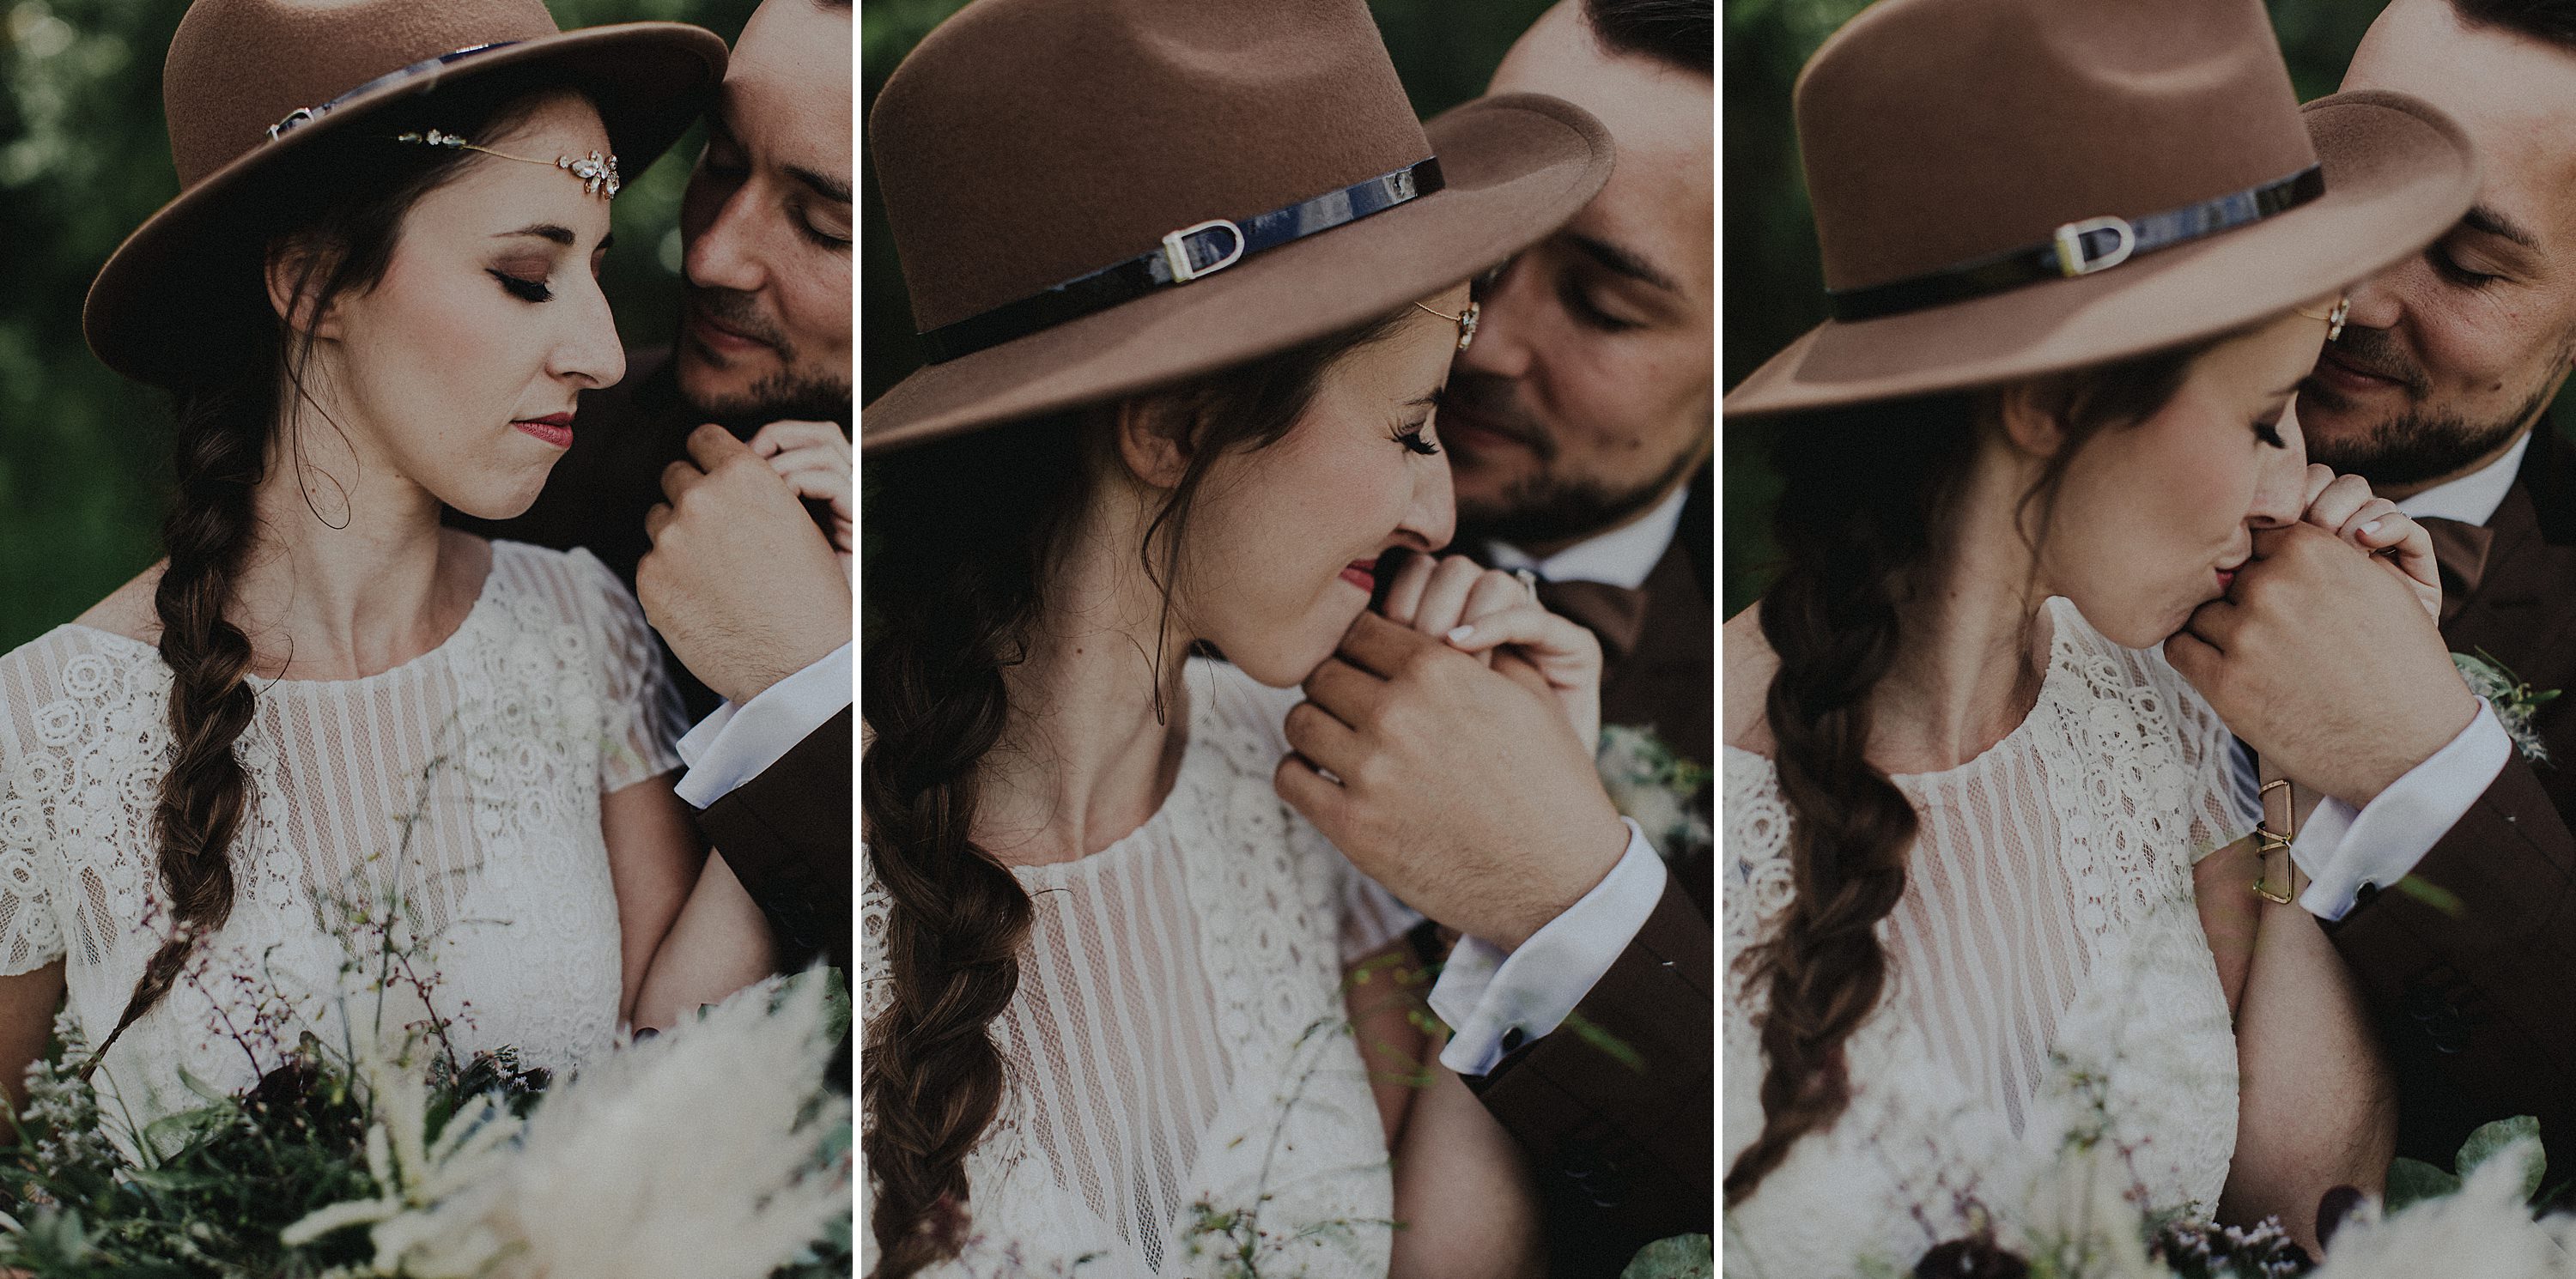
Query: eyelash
pixel 524 290
pixel 1411 437
pixel 2451 270
pixel 1580 303
pixel 825 241
pixel 2270 433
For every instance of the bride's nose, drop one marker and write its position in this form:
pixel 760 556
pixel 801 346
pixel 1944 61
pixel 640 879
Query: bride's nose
pixel 2281 480
pixel 1432 514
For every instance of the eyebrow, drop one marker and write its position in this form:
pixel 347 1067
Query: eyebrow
pixel 559 234
pixel 2483 218
pixel 826 187
pixel 1623 262
pixel 822 184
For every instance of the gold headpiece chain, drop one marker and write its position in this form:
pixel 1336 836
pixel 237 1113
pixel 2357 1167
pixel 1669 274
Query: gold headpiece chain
pixel 597 173
pixel 1465 320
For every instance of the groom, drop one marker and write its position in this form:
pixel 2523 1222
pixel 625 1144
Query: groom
pixel 1579 425
pixel 741 584
pixel 2438 393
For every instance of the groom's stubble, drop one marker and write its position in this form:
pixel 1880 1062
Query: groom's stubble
pixel 2425 442
pixel 797 392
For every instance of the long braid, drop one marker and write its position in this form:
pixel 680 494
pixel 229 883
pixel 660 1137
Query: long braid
pixel 960 537
pixel 1854 526
pixel 1865 495
pixel 951 615
pixel 222 453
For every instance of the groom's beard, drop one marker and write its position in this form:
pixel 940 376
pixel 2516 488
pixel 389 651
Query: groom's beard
pixel 1544 507
pixel 2418 444
pixel 792 394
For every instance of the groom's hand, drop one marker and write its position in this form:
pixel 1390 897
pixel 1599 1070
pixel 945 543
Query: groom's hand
pixel 1462 789
pixel 2323 661
pixel 740 582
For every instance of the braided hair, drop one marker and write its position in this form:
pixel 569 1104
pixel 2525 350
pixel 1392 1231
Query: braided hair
pixel 1860 524
pixel 961 536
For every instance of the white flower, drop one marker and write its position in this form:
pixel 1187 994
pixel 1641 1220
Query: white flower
pixel 2483 1230
pixel 693 1154
pixel 2080 1213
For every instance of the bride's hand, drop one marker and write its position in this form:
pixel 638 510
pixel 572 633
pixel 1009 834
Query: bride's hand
pixel 1488 613
pixel 814 459
pixel 2344 506
pixel 1437 594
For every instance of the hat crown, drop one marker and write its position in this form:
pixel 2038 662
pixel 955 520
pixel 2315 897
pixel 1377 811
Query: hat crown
pixel 1937 132
pixel 238 67
pixel 1027 142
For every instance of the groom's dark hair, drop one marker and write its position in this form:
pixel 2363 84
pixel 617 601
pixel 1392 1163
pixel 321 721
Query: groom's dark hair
pixel 1678 33
pixel 2550 20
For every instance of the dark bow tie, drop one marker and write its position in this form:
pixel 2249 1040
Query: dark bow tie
pixel 1616 614
pixel 2461 551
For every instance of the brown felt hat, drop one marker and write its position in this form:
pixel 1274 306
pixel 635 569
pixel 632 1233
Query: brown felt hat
pixel 251 86
pixel 1094 197
pixel 2010 188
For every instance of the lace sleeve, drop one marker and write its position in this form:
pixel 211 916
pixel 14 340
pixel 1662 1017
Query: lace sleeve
pixel 30 784
pixel 644 716
pixel 30 938
pixel 2222 799
pixel 1757 888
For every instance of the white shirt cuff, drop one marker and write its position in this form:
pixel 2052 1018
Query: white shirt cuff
pixel 738 743
pixel 2344 851
pixel 1487 994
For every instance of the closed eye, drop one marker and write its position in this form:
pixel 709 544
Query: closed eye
pixel 523 289
pixel 2450 269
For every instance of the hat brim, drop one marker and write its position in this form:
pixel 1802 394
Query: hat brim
pixel 1517 166
pixel 650 81
pixel 2397 174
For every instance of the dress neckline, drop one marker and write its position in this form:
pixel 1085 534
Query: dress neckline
pixel 2062 619
pixel 485 600
pixel 1198 753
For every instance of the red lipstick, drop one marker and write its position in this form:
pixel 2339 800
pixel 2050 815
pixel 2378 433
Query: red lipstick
pixel 1362 574
pixel 554 428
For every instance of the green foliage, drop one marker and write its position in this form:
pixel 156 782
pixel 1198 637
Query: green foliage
pixel 2413 1180
pixel 1680 1257
pixel 84 159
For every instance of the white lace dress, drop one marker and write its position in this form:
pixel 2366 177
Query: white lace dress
pixel 2048 977
pixel 450 804
pixel 1181 1077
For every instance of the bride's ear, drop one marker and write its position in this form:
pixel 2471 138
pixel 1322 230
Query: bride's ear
pixel 1153 439
pixel 2029 415
pixel 294 273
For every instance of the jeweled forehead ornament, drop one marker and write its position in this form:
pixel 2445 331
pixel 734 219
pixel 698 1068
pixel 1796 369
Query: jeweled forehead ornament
pixel 597 173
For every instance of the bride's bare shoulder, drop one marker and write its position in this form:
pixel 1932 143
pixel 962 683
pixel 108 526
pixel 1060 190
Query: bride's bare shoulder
pixel 1749 665
pixel 129 610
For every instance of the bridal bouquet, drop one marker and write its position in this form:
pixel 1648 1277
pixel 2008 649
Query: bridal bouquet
pixel 713 1151
pixel 2085 1223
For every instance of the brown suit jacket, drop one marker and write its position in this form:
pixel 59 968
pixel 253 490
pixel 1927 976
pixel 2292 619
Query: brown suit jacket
pixel 1625 1155
pixel 787 832
pixel 2478 1009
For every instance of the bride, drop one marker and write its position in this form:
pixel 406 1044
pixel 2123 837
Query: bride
pixel 1124 1009
pixel 1972 915
pixel 327 764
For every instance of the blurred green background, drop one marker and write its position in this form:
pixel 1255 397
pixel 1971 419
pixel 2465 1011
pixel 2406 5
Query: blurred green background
pixel 84 158
pixel 1443 49
pixel 1773 286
